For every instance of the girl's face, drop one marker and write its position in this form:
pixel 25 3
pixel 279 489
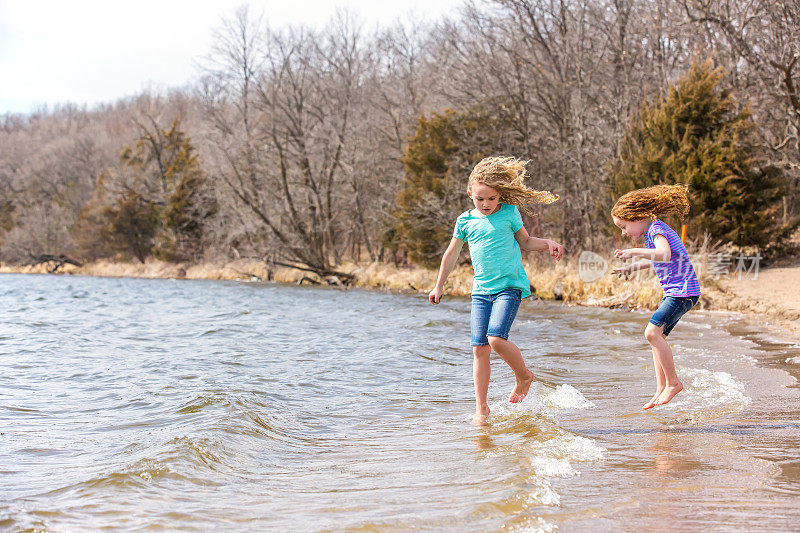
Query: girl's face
pixel 486 199
pixel 632 228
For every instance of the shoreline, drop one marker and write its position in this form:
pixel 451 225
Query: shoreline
pixel 780 314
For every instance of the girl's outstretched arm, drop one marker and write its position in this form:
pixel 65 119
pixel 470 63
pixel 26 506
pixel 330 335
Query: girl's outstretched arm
pixel 449 260
pixel 662 251
pixel 534 244
pixel 638 265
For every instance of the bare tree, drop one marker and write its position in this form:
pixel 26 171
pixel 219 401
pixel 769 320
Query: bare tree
pixel 281 104
pixel 765 36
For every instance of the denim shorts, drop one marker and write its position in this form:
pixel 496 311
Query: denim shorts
pixel 671 309
pixel 492 314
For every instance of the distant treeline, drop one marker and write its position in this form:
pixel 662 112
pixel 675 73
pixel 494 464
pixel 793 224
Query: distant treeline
pixel 308 146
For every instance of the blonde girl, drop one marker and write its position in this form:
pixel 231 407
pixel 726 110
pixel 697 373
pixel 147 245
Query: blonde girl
pixel 496 237
pixel 636 214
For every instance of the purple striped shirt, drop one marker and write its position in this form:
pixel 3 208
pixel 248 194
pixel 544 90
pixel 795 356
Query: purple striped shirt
pixel 677 275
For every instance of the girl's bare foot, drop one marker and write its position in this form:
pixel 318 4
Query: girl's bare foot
pixel 480 420
pixel 669 393
pixel 653 400
pixel 481 416
pixel 521 389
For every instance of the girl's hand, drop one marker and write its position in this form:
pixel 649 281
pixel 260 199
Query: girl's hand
pixel 622 254
pixel 556 250
pixel 435 295
pixel 622 272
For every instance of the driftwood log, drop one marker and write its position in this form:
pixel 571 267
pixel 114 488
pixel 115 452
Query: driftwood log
pixel 56 262
pixel 330 277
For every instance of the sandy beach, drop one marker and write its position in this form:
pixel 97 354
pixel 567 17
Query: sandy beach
pixel 774 297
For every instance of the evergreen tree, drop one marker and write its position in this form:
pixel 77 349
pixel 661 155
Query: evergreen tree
pixel 131 225
pixel 161 203
pixel 171 174
pixel 438 160
pixel 697 135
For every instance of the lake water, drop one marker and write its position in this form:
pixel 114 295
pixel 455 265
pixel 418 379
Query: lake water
pixel 198 405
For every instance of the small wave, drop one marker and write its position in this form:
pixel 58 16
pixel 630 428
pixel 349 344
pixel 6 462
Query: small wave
pixel 569 447
pixel 566 397
pixel 175 460
pixel 541 400
pixel 202 402
pixel 532 525
pixel 550 450
pixel 205 451
pixel 710 393
pixel 244 416
pixel 135 476
pixel 553 458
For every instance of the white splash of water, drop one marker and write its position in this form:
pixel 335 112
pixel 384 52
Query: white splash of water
pixel 550 467
pixel 541 400
pixel 552 459
pixel 566 397
pixel 537 525
pixel 569 447
pixel 708 389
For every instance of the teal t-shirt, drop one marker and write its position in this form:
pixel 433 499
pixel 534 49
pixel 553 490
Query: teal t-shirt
pixel 495 252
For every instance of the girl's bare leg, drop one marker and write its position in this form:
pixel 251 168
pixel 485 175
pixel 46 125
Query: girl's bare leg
pixel 661 382
pixel 663 354
pixel 513 357
pixel 481 372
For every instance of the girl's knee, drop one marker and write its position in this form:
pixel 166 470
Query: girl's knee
pixel 653 333
pixel 495 341
pixel 482 351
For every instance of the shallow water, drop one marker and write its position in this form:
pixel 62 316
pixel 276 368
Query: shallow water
pixel 163 404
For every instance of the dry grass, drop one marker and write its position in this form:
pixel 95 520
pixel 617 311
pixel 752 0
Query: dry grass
pixel 546 277
pixel 239 270
pixel 609 291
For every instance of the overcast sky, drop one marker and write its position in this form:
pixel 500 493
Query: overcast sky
pixel 92 51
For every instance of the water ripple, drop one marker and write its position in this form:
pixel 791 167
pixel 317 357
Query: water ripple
pixel 202 405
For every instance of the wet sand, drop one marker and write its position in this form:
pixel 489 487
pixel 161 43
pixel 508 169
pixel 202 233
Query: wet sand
pixel 773 298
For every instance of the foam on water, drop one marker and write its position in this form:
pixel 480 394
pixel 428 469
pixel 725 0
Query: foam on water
pixel 541 400
pixel 566 397
pixel 710 390
pixel 552 457
pixel 533 525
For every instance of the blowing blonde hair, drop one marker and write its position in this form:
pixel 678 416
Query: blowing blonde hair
pixel 507 176
pixel 652 202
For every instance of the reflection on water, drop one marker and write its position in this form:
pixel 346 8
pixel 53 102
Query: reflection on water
pixel 195 405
